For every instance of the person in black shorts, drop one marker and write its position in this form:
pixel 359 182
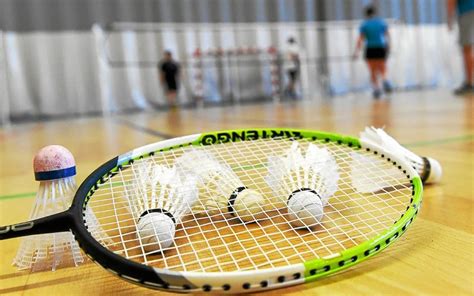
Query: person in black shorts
pixel 169 75
pixel 374 32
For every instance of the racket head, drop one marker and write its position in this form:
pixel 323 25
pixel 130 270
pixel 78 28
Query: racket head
pixel 161 276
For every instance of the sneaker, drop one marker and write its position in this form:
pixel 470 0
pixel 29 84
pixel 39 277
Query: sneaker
pixel 377 93
pixel 464 89
pixel 387 86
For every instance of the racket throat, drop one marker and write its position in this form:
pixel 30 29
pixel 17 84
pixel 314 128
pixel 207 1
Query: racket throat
pixel 59 222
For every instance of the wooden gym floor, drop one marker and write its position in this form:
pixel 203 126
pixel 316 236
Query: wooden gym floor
pixel 435 256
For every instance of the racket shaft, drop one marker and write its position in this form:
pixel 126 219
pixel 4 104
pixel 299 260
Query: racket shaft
pixel 55 223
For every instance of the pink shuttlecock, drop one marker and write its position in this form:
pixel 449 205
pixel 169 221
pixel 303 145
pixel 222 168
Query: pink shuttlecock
pixel 53 162
pixel 54 167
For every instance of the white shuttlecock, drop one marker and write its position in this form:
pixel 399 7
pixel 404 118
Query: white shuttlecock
pixel 303 182
pixel 55 168
pixel 222 190
pixel 94 228
pixel 428 168
pixel 368 175
pixel 158 198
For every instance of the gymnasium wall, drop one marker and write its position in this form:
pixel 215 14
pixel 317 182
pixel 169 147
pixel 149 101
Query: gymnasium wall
pixel 52 62
pixel 80 15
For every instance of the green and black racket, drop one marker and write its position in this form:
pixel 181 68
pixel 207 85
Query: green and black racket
pixel 378 196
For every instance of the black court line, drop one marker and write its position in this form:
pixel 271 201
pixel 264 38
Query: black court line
pixel 144 129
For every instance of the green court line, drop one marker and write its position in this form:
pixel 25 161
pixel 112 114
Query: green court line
pixel 33 194
pixel 465 138
pixel 18 195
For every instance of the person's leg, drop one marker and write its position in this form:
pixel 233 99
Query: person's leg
pixel 373 69
pixel 383 73
pixel 291 82
pixel 373 72
pixel 294 83
pixel 382 69
pixel 466 39
pixel 468 58
pixel 171 94
pixel 468 53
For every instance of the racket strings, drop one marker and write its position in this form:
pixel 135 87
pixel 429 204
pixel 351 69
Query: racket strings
pixel 369 212
pixel 219 242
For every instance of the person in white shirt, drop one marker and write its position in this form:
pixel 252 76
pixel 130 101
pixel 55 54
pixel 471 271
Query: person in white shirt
pixel 292 66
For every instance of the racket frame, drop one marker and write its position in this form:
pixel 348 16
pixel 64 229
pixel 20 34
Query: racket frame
pixel 236 281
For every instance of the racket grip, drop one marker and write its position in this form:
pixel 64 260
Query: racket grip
pixel 55 223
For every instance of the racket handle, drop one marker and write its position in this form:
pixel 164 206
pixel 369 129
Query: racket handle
pixel 55 223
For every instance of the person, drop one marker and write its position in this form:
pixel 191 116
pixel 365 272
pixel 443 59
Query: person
pixel 169 75
pixel 374 32
pixel 465 14
pixel 292 66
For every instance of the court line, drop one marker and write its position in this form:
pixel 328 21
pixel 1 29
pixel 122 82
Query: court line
pixel 32 194
pixel 18 195
pixel 145 130
pixel 42 284
pixel 465 138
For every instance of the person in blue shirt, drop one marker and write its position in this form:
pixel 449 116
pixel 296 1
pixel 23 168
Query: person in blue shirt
pixel 374 32
pixel 465 12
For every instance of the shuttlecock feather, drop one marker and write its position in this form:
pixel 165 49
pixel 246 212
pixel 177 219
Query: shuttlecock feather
pixel 158 199
pixel 55 169
pixel 49 251
pixel 222 191
pixel 303 182
pixel 428 168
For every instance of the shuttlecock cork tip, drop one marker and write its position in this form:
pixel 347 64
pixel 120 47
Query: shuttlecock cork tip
pixel 436 171
pixel 249 206
pixel 53 162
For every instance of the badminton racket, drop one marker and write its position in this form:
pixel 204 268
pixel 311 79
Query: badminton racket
pixel 378 196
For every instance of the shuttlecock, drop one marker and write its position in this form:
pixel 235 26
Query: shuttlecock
pixel 158 198
pixel 303 182
pixel 221 190
pixel 428 168
pixel 54 168
pixel 369 175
